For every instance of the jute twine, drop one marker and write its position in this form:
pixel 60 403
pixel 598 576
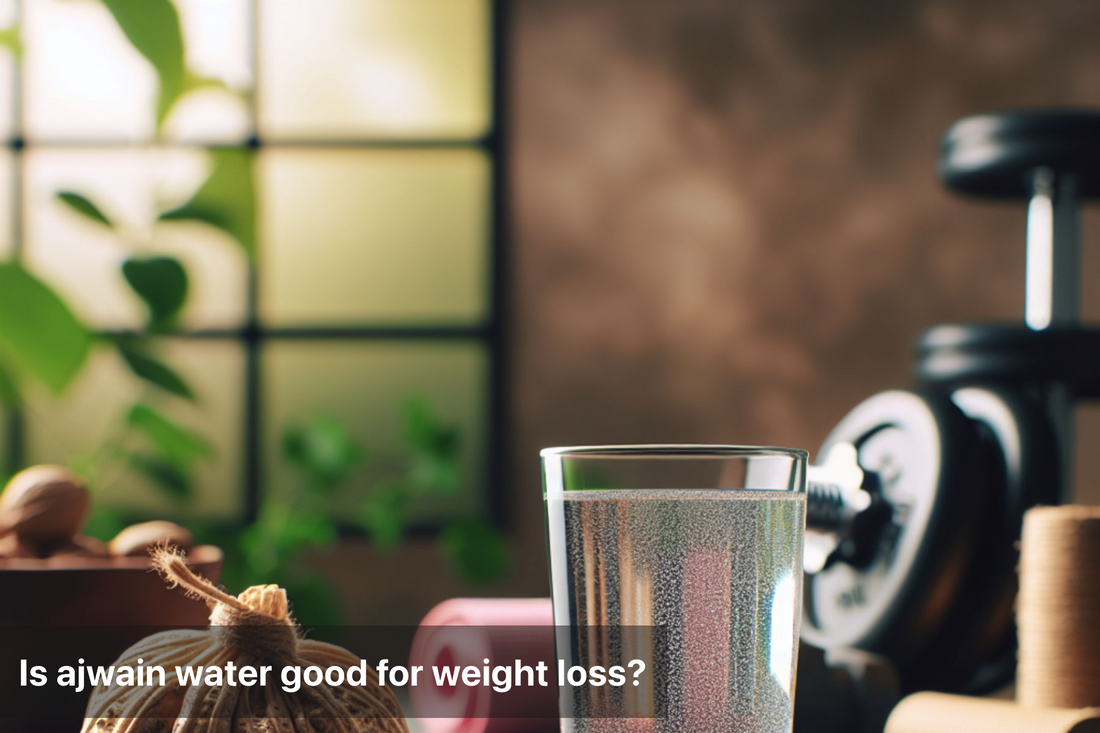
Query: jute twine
pixel 257 621
pixel 1058 608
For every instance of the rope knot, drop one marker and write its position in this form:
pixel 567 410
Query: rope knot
pixel 257 621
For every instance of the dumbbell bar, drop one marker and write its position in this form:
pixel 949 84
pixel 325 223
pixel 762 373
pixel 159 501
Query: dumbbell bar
pixel 845 503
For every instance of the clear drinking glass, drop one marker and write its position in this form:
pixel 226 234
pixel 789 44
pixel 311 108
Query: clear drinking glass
pixel 689 558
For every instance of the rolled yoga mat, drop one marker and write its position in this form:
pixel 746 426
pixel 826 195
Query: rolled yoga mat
pixel 465 632
pixel 934 712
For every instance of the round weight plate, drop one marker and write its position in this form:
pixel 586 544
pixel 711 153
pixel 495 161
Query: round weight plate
pixel 965 354
pixel 975 652
pixel 997 154
pixel 924 449
pixel 1027 446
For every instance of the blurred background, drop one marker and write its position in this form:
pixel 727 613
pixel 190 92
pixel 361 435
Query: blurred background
pixel 318 278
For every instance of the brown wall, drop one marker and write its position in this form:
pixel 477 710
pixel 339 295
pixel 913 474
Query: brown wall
pixel 727 225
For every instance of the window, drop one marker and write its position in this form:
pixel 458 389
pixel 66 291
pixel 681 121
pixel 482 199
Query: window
pixel 359 263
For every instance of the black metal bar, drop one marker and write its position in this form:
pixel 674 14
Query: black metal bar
pixel 254 56
pixel 16 145
pixel 482 142
pixel 256 333
pixel 251 421
pixel 253 376
pixel 499 464
pixel 15 448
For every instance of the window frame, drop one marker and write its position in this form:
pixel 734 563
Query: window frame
pixel 253 335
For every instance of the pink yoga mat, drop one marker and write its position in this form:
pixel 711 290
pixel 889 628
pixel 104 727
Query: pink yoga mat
pixel 466 631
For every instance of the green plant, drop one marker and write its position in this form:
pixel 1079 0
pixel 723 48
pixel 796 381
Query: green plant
pixel 153 28
pixel 146 440
pixel 325 456
pixel 42 340
pixel 475 549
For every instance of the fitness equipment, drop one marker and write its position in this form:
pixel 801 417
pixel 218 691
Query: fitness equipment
pixel 916 504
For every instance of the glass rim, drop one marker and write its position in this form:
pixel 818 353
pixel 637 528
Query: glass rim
pixel 673 450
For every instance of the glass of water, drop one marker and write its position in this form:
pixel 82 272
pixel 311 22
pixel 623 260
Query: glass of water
pixel 689 559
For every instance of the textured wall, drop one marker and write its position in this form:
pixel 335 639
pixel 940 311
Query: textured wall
pixel 727 224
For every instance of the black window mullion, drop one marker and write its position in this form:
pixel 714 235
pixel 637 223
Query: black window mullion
pixel 498 465
pixel 251 416
pixel 254 335
pixel 15 450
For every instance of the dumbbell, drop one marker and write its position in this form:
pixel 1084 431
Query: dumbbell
pixel 916 502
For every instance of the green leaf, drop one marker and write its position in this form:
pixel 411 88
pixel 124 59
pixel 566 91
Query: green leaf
pixel 383 514
pixel 425 433
pixel 173 479
pixel 38 331
pixel 162 283
pixel 9 389
pixel 227 199
pixel 9 37
pixel 477 551
pixel 323 450
pixel 153 371
pixel 435 450
pixel 83 206
pixel 432 474
pixel 153 28
pixel 175 442
pixel 86 465
pixel 305 529
pixel 191 82
pixel 280 532
pixel 258 549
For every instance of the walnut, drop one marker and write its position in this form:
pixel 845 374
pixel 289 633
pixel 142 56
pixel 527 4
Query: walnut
pixel 139 539
pixel 44 507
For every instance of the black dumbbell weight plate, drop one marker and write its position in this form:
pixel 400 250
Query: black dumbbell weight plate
pixel 997 154
pixel 965 354
pixel 923 448
pixel 975 651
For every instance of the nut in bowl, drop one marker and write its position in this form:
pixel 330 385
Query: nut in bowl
pixel 66 581
pixel 42 511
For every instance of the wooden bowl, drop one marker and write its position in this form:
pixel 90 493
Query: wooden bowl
pixel 92 591
pixel 57 611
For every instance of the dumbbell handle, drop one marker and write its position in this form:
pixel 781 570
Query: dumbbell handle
pixel 1052 294
pixel 827 505
pixel 1052 157
pixel 837 489
pixel 845 507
